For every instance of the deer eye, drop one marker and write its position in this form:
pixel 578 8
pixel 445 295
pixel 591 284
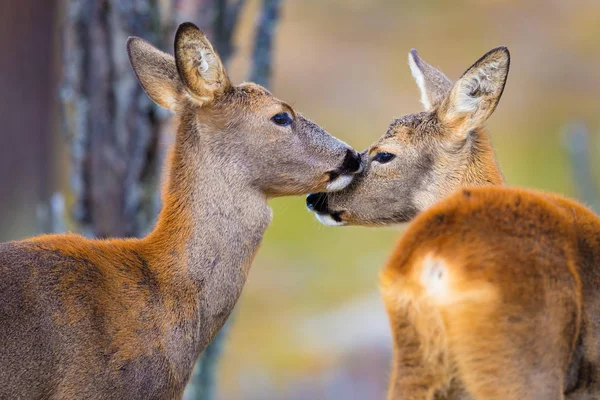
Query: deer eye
pixel 383 158
pixel 282 119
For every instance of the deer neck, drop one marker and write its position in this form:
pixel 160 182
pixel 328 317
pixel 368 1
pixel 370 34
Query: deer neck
pixel 208 231
pixel 474 164
pixel 481 165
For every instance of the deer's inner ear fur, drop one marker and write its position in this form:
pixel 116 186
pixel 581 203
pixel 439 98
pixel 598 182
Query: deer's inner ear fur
pixel 432 83
pixel 476 94
pixel 198 64
pixel 156 72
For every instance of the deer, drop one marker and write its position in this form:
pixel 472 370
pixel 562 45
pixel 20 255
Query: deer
pixel 424 157
pixel 492 293
pixel 128 317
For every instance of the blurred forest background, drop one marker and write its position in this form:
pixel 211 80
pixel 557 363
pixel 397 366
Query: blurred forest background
pixel 309 323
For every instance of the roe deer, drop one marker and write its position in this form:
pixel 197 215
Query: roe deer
pixel 426 156
pixel 493 294
pixel 127 318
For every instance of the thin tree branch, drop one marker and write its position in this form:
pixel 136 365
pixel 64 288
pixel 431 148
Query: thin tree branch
pixel 577 143
pixel 202 384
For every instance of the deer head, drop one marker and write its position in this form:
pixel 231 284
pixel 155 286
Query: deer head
pixel 261 140
pixel 424 157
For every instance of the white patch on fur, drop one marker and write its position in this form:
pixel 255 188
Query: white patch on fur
pixel 193 97
pixel 423 199
pixel 209 66
pixel 339 183
pixel 203 62
pixel 327 220
pixel 434 278
pixel 171 103
pixel 464 102
pixel 420 79
pixel 439 281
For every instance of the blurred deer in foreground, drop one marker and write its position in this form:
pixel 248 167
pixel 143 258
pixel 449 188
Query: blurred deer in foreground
pixel 492 294
pixel 424 157
pixel 127 318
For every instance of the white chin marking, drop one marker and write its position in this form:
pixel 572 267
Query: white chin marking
pixel 326 219
pixel 339 183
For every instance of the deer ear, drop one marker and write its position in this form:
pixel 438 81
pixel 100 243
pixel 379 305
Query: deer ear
pixel 476 94
pixel 156 72
pixel 199 66
pixel 433 84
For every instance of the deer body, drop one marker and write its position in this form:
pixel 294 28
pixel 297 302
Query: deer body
pixel 127 318
pixel 139 309
pixel 492 293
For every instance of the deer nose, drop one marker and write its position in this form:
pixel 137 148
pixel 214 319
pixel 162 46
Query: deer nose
pixel 317 202
pixel 352 163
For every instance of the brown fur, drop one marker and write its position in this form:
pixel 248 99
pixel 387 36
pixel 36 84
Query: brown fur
pixel 436 151
pixel 127 318
pixel 492 293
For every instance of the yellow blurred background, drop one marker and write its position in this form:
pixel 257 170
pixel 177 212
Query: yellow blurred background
pixel 309 324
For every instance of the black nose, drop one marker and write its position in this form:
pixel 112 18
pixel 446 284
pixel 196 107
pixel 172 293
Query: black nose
pixel 317 202
pixel 351 164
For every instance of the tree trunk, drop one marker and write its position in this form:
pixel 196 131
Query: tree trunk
pixel 580 149
pixel 28 86
pixel 111 124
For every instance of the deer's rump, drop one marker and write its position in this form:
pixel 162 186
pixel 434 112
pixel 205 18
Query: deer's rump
pixel 502 285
